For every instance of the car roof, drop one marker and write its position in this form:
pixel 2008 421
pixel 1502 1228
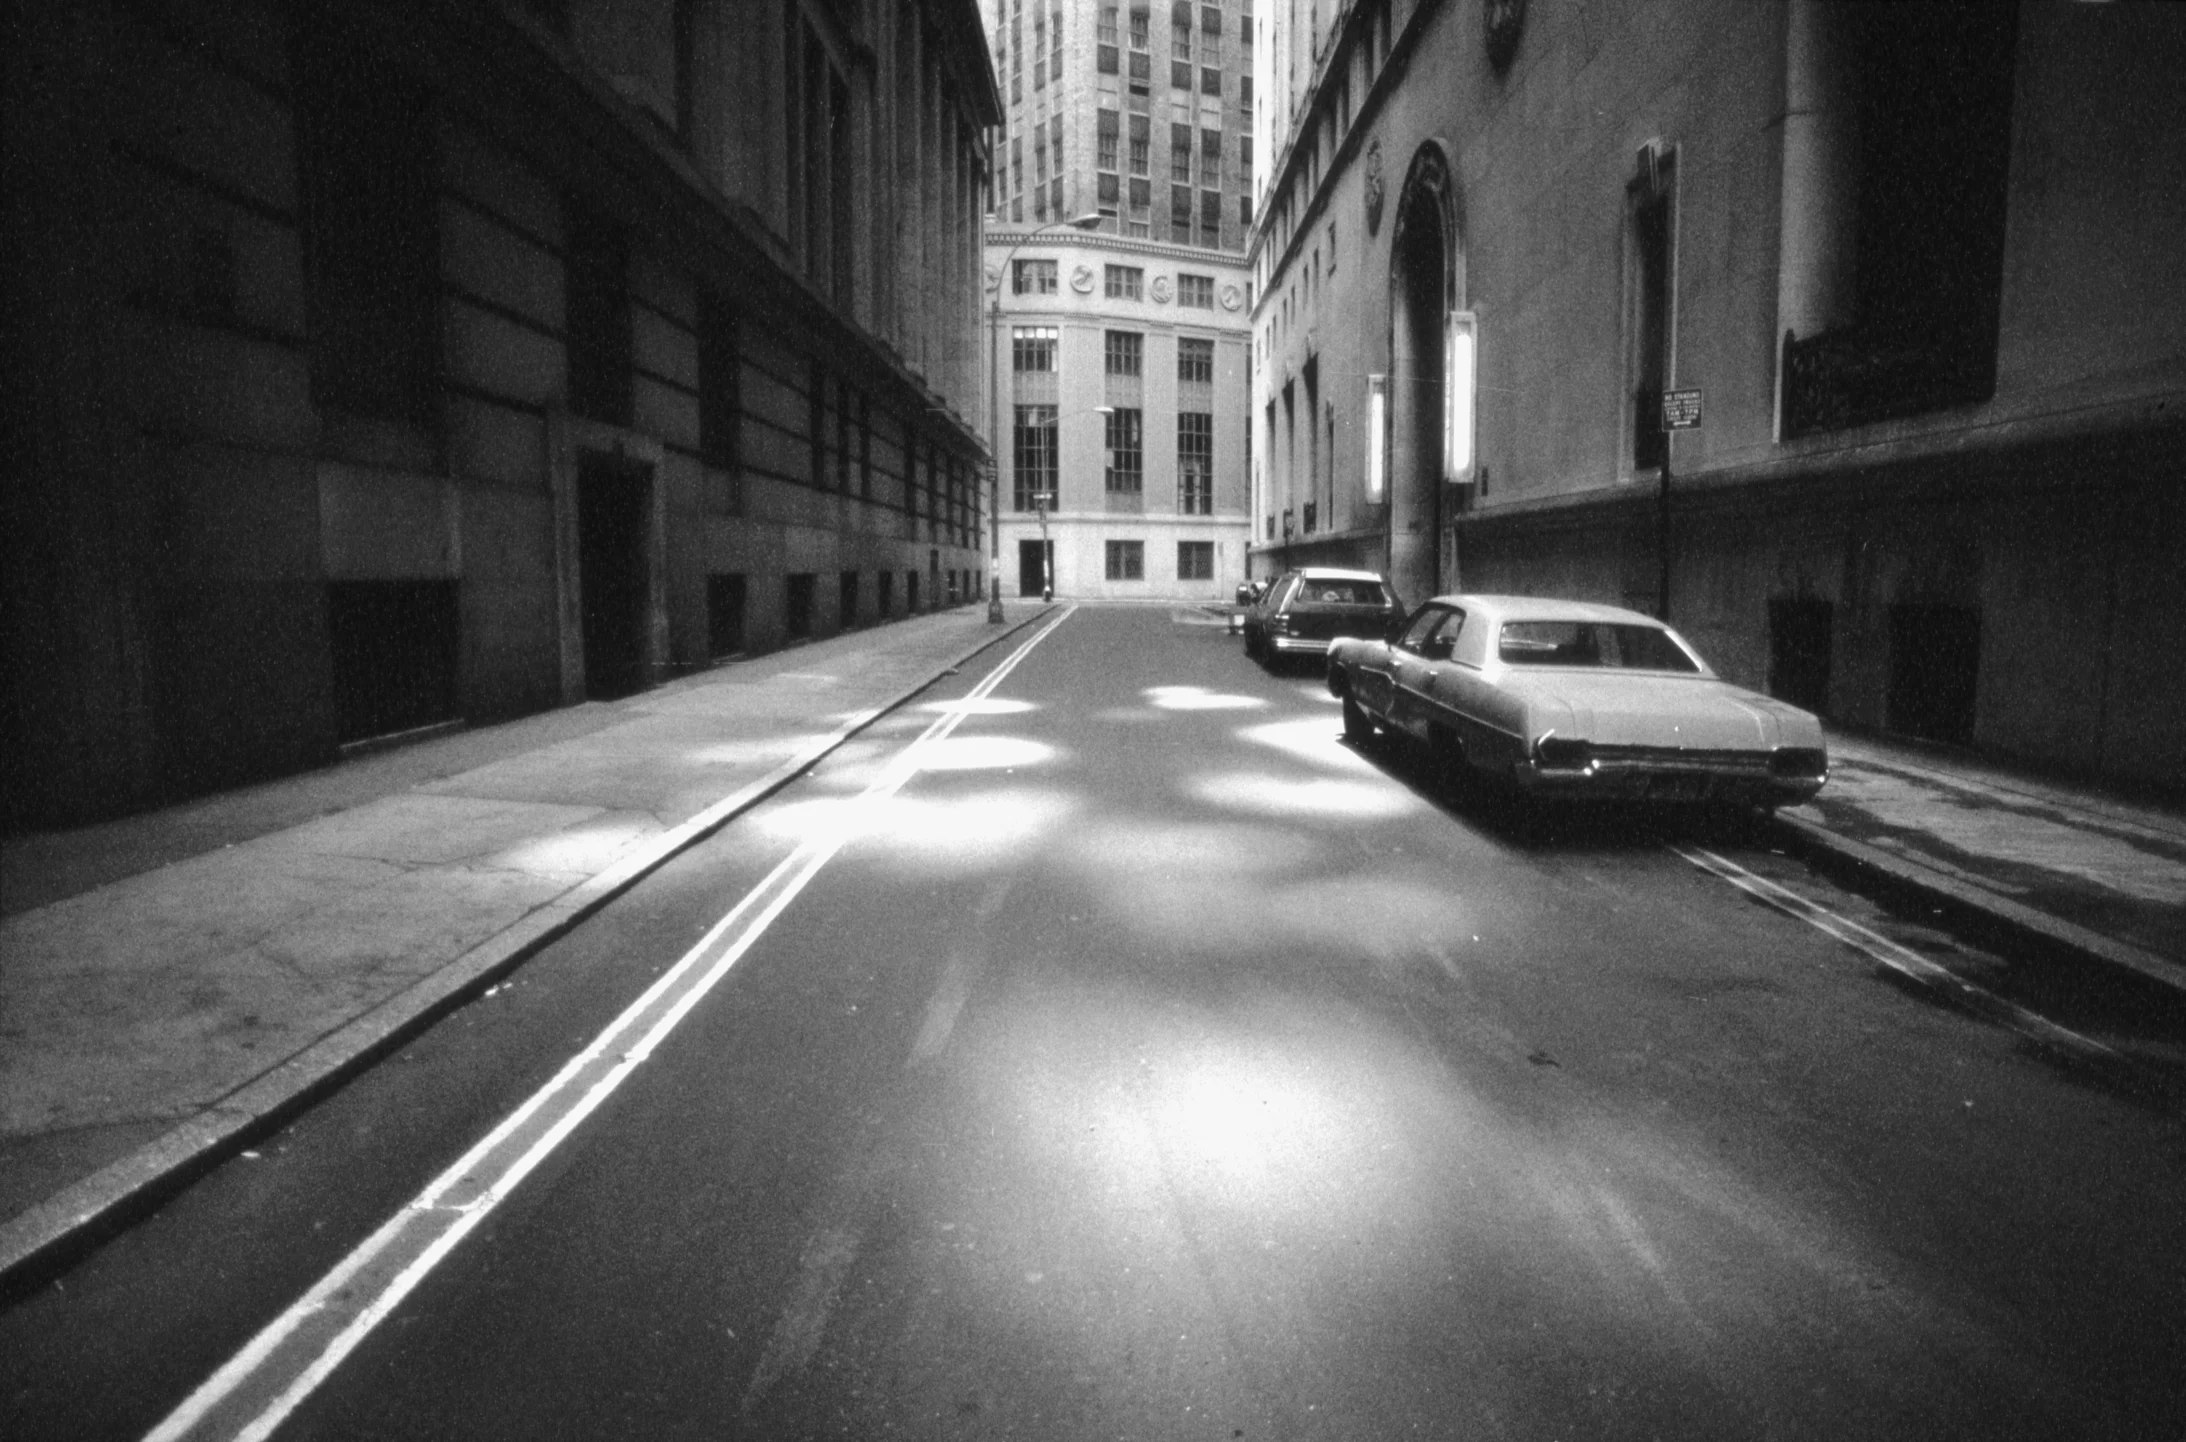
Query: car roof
pixel 1336 573
pixel 1545 608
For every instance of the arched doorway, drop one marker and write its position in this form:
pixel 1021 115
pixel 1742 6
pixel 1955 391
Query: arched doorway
pixel 1426 283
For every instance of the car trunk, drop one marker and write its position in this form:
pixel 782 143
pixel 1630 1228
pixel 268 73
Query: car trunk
pixel 1690 713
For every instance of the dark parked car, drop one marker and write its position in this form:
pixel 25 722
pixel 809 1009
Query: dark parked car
pixel 1247 592
pixel 1303 610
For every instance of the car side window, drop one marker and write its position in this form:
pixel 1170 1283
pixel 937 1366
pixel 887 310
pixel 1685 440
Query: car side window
pixel 1281 593
pixel 1443 642
pixel 1419 628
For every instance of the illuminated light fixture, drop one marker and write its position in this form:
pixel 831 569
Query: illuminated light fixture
pixel 1377 436
pixel 1458 386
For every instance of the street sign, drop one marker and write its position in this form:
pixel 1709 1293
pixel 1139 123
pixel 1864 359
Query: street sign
pixel 1681 410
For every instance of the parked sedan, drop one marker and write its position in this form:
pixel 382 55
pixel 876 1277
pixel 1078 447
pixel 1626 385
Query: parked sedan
pixel 1302 611
pixel 1567 698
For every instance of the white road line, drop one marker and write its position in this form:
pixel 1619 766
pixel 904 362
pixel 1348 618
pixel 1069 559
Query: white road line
pixel 264 1382
pixel 1898 958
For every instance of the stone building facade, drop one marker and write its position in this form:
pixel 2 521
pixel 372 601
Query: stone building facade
pixel 383 365
pixel 1917 262
pixel 1124 176
pixel 1121 374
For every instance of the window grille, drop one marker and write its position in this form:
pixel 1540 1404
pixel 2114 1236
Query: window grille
pixel 1195 463
pixel 1194 361
pixel 1194 290
pixel 1032 277
pixel 1034 453
pixel 1032 348
pixel 1125 352
pixel 1124 282
pixel 1126 470
pixel 1126 560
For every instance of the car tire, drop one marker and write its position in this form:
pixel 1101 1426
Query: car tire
pixel 1357 725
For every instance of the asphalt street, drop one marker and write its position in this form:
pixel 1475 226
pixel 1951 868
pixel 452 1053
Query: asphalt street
pixel 1105 1049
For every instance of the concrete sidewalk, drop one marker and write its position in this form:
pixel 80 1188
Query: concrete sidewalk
pixel 174 983
pixel 171 983
pixel 2094 875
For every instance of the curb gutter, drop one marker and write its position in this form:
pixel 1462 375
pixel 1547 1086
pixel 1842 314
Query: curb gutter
pixel 1813 839
pixel 48 1235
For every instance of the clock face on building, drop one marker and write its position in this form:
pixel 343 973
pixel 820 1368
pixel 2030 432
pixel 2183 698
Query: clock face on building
pixel 1504 20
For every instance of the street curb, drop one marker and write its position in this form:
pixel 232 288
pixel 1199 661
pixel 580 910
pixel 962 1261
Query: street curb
pixel 1811 837
pixel 48 1235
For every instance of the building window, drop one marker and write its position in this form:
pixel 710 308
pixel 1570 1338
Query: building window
pixel 1899 306
pixel 1126 560
pixel 1126 450
pixel 365 136
pixel 1194 361
pixel 1032 349
pixel 1032 277
pixel 1210 80
pixel 1124 282
pixel 1210 217
pixel 1138 27
pixel 1195 463
pixel 1125 352
pixel 1194 290
pixel 598 310
pixel 1195 560
pixel 1180 31
pixel 1105 137
pixel 1033 452
pixel 1180 153
pixel 1180 212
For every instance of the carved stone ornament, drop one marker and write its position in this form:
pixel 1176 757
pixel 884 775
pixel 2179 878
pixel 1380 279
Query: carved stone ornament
pixel 1232 297
pixel 1373 186
pixel 994 277
pixel 1159 290
pixel 1081 279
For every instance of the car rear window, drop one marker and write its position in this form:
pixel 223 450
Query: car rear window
pixel 1343 593
pixel 1600 645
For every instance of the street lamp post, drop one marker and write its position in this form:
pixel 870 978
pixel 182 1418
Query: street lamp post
pixel 994 418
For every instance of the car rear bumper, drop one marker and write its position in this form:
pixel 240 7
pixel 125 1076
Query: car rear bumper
pixel 1297 646
pixel 1722 781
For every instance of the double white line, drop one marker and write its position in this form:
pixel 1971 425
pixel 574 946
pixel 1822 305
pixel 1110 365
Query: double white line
pixel 263 1383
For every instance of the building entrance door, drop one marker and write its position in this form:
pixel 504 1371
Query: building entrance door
pixel 1031 568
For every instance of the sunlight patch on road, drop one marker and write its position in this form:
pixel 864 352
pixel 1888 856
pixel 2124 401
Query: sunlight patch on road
pixel 1315 738
pixel 972 830
pixel 1264 793
pixel 979 706
pixel 1199 698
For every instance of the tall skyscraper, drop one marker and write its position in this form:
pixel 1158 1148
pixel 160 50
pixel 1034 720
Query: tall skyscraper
pixel 1118 297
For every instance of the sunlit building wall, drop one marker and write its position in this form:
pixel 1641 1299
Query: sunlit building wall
pixel 1918 261
pixel 1120 358
pixel 378 367
pixel 1122 385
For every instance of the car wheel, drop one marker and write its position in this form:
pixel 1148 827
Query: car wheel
pixel 1357 725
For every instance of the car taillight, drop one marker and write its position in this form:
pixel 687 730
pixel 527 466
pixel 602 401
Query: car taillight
pixel 1799 761
pixel 1280 624
pixel 1563 755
